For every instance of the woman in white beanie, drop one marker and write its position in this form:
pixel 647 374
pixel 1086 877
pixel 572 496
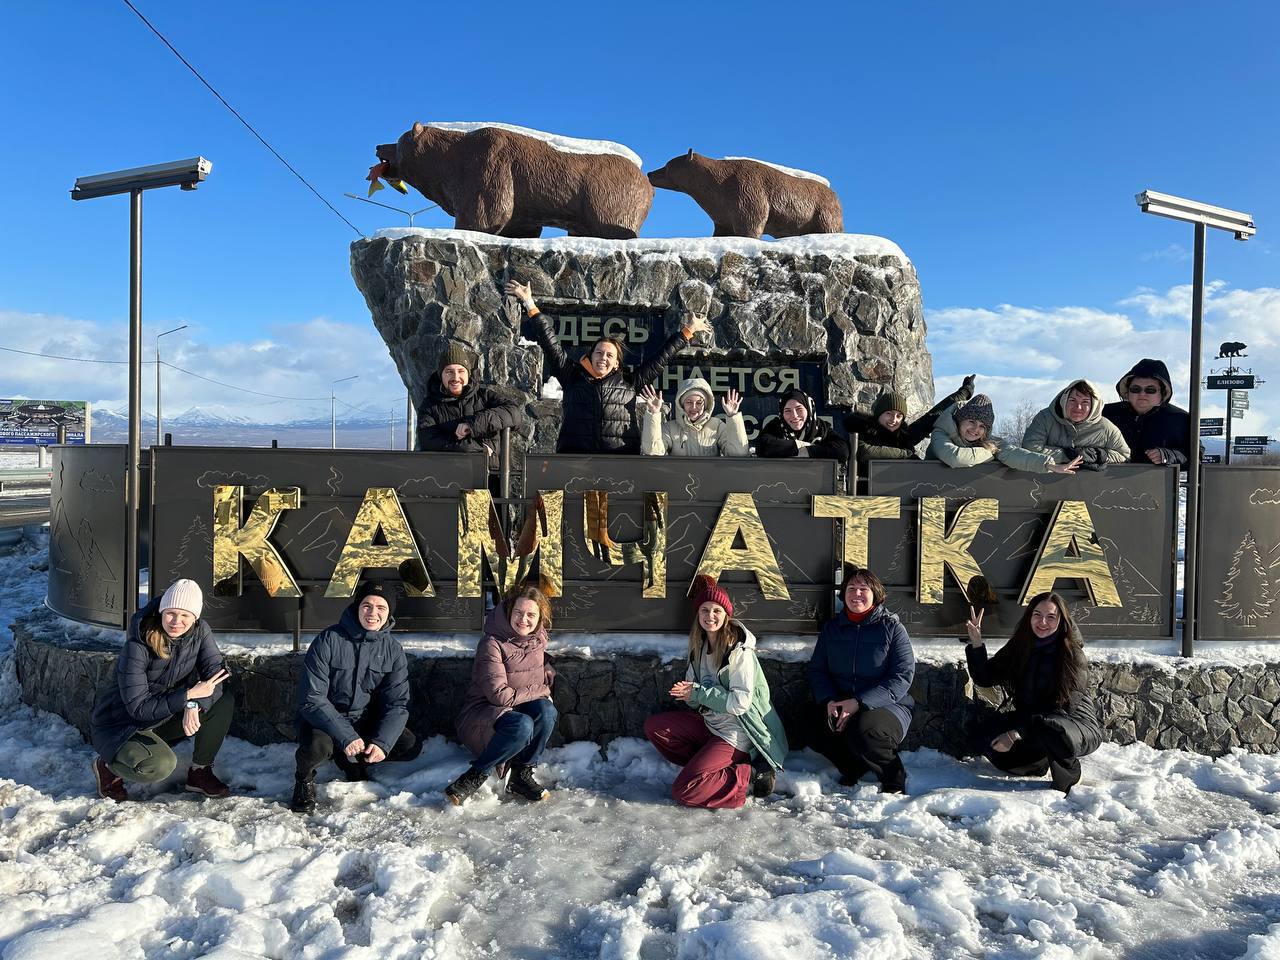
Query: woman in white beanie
pixel 167 688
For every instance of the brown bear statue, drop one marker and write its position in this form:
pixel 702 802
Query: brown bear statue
pixel 498 181
pixel 749 198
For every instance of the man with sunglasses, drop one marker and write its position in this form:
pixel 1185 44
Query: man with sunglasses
pixel 1156 430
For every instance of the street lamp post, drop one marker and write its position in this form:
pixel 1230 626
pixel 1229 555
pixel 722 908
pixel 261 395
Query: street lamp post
pixel 187 174
pixel 1202 216
pixel 159 430
pixel 333 410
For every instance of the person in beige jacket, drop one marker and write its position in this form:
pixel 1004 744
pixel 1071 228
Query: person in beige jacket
pixel 1073 426
pixel 692 431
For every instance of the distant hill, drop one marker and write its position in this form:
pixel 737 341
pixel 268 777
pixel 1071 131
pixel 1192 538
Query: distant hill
pixel 212 426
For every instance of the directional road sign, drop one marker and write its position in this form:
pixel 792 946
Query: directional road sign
pixel 1210 431
pixel 1253 441
pixel 1237 413
pixel 1240 401
pixel 1250 450
pixel 1211 458
pixel 1210 421
pixel 1238 381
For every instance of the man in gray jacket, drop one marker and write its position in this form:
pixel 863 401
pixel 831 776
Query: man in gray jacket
pixel 692 431
pixel 1073 426
pixel 353 694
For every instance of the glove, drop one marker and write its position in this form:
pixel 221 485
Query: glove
pixel 1099 466
pixel 1092 455
pixel 967 385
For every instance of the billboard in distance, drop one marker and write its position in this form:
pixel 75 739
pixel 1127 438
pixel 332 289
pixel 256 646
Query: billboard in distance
pixel 35 422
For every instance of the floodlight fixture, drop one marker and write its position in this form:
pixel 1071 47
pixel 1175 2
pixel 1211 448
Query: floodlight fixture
pixel 1192 211
pixel 187 174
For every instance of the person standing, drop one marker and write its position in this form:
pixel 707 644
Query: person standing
pixel 1155 430
pixel 1073 426
pixel 692 431
pixel 457 415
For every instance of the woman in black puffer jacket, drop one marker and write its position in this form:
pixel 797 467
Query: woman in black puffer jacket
pixel 800 432
pixel 1043 668
pixel 599 394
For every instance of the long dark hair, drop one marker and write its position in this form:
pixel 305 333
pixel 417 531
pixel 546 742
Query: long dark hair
pixel 1024 639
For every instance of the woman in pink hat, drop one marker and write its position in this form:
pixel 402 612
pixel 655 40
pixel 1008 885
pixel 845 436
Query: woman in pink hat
pixel 167 687
pixel 732 721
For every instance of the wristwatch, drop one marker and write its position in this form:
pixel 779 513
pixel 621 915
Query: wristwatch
pixel 192 705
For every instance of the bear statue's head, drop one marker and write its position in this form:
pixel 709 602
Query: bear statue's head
pixel 671 176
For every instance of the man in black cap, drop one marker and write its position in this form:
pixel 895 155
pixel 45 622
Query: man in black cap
pixel 1156 430
pixel 353 695
pixel 461 416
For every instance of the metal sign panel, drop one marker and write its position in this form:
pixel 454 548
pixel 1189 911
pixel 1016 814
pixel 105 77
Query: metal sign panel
pixel 1239 381
pixel 1248 449
pixel 1129 506
pixel 1239 582
pixel 311 538
pixel 1211 431
pixel 1253 441
pixel 1211 458
pixel 86 534
pixel 1211 421
pixel 598 596
pixel 1240 403
pixel 36 422
pixel 1237 414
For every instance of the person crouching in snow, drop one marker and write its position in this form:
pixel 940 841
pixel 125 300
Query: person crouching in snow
pixel 167 687
pixel 1044 671
pixel 1072 426
pixel 963 438
pixel 800 432
pixel 732 717
pixel 692 431
pixel 353 694
pixel 508 715
pixel 886 435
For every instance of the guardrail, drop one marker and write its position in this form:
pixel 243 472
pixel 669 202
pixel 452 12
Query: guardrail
pixel 25 479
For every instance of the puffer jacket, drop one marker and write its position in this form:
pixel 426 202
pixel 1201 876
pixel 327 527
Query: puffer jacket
pixel 1094 439
pixel 482 408
pixel 508 670
pixel 947 445
pixel 347 670
pixel 146 690
pixel 871 660
pixel 742 691
pixel 707 436
pixel 777 439
pixel 599 412
pixel 1165 428
pixel 1077 722
pixel 877 443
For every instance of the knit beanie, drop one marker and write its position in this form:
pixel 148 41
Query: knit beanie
pixel 893 400
pixel 183 595
pixel 979 408
pixel 456 353
pixel 711 592
pixel 372 588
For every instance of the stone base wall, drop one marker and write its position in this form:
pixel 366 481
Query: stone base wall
pixel 1200 708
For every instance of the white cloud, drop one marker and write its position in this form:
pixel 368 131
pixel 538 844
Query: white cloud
pixel 296 360
pixel 1029 353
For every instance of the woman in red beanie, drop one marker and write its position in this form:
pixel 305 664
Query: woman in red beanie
pixel 732 719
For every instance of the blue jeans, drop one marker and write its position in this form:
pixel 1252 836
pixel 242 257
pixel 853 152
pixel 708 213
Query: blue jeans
pixel 519 736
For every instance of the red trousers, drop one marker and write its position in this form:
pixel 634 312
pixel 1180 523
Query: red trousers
pixel 714 774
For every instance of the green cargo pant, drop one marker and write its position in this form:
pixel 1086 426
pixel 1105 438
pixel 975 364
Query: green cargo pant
pixel 146 758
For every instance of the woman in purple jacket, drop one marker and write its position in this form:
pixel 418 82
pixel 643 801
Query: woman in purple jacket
pixel 508 715
pixel 860 675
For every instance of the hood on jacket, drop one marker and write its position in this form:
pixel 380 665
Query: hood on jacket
pixel 687 387
pixel 436 392
pixel 795 393
pixel 1082 386
pixel 498 625
pixel 349 623
pixel 1150 369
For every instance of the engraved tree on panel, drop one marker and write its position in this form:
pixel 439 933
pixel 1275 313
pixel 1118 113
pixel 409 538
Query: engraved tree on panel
pixel 1248 592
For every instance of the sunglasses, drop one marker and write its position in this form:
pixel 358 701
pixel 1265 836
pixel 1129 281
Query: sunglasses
pixel 1144 389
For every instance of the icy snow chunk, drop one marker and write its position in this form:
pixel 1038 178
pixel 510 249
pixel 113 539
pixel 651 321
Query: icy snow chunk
pixel 551 390
pixel 557 140
pixel 790 171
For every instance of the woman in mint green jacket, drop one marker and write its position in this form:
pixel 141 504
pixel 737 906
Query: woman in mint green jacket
pixel 733 719
pixel 962 438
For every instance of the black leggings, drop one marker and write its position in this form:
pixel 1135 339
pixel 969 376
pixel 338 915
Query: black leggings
pixel 1030 756
pixel 869 741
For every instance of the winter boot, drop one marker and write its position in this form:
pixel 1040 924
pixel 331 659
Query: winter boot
pixel 304 796
pixel 893 777
pixel 763 780
pixel 465 787
pixel 522 784
pixel 204 781
pixel 1065 774
pixel 110 787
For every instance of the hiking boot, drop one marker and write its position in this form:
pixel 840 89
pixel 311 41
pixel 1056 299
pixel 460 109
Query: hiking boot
pixel 893 777
pixel 1065 774
pixel 353 771
pixel 465 787
pixel 762 781
pixel 522 784
pixel 304 796
pixel 110 787
pixel 203 780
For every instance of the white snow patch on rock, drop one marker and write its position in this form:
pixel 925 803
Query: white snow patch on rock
pixel 559 141
pixel 790 171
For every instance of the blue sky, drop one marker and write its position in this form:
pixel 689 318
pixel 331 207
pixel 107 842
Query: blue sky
pixel 999 144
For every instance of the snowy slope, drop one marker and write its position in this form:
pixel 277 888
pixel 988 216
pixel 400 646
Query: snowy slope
pixel 1155 855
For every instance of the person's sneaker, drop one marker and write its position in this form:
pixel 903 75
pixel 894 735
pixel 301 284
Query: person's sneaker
pixel 352 770
pixel 110 787
pixel 304 796
pixel 763 780
pixel 1065 774
pixel 522 784
pixel 465 787
pixel 204 781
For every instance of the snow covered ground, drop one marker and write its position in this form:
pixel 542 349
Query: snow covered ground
pixel 1156 854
